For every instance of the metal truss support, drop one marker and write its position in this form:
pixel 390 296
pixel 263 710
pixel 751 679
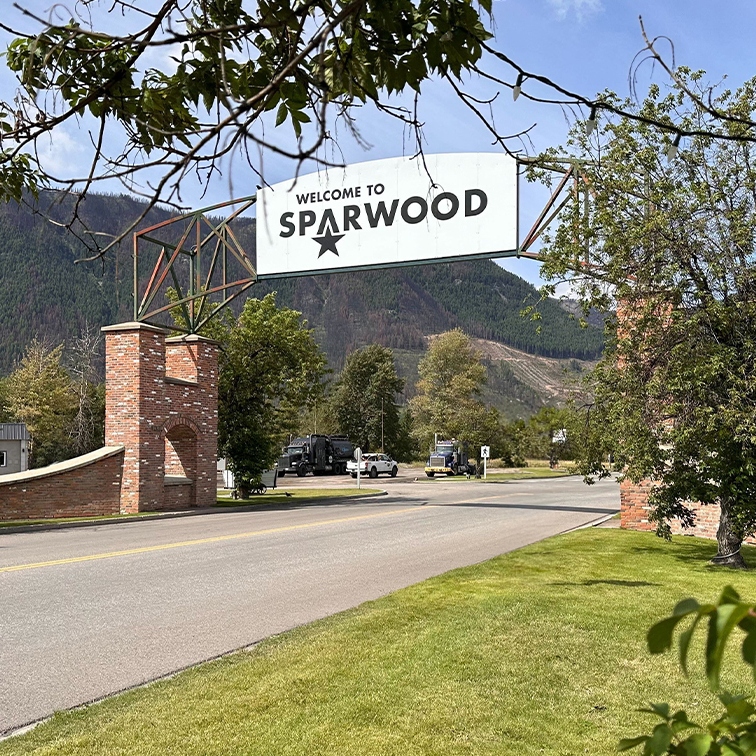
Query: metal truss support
pixel 573 186
pixel 197 263
pixel 198 257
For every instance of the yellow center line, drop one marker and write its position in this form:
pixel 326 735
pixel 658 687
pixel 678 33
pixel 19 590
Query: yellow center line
pixel 200 541
pixel 501 496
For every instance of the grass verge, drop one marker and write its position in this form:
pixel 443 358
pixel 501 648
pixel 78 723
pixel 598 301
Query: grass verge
pixel 522 473
pixel 297 496
pixel 273 497
pixel 540 651
pixel 525 473
pixel 62 520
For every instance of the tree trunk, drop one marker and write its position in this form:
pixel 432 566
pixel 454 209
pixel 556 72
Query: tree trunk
pixel 729 538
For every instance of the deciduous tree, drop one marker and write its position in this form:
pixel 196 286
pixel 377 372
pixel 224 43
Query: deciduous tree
pixel 364 399
pixel 87 431
pixel 447 403
pixel 270 369
pixel 670 238
pixel 538 434
pixel 40 394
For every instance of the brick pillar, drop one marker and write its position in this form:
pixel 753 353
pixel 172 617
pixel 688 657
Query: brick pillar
pixel 134 410
pixel 631 315
pixel 634 506
pixel 192 368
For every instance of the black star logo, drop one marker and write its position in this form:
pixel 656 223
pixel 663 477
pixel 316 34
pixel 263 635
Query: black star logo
pixel 328 242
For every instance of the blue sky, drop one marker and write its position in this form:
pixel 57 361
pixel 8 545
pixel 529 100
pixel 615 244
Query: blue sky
pixel 585 45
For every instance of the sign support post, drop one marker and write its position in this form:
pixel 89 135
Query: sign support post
pixel 485 452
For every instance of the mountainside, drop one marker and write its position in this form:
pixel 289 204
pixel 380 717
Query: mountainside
pixel 44 294
pixel 399 307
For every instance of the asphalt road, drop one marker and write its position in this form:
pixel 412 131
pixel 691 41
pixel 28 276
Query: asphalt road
pixel 91 611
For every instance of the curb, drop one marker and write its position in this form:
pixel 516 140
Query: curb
pixel 591 524
pixel 42 527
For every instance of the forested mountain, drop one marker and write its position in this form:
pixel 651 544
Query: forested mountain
pixel 44 293
pixel 398 308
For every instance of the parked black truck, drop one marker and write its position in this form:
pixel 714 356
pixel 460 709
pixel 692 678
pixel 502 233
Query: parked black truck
pixel 316 453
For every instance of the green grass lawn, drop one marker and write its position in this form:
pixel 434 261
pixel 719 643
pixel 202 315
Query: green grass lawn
pixel 541 651
pixel 272 497
pixel 296 496
pixel 522 473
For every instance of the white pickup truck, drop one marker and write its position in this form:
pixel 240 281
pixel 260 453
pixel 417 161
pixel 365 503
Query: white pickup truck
pixel 373 465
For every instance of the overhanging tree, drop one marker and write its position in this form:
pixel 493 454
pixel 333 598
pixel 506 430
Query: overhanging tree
pixel 670 238
pixel 225 64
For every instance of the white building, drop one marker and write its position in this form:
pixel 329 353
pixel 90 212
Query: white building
pixel 14 448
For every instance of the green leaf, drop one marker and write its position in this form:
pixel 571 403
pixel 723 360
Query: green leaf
pixel 684 642
pixel 698 744
pixel 685 607
pixel 627 743
pixel 660 740
pixel 659 637
pixel 281 115
pixel 661 710
pixel 729 596
pixel 739 709
pixel 729 750
pixel 749 651
pixel 721 624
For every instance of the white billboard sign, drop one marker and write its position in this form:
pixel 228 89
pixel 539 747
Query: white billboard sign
pixel 389 212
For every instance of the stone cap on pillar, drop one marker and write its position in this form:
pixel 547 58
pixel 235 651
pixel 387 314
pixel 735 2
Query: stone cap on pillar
pixel 134 326
pixel 191 338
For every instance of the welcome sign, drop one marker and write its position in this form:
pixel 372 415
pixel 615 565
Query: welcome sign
pixel 386 213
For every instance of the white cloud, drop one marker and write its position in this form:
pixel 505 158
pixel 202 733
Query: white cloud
pixel 64 153
pixel 579 8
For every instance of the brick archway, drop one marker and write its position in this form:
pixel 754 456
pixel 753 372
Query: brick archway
pixel 180 436
pixel 177 420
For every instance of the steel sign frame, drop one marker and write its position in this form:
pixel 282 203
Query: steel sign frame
pixel 195 252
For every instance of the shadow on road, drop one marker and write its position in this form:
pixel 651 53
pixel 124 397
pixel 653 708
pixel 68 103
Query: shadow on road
pixel 541 507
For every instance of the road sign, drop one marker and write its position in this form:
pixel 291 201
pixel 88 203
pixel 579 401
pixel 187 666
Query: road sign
pixel 560 436
pixel 390 212
pixel 485 452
